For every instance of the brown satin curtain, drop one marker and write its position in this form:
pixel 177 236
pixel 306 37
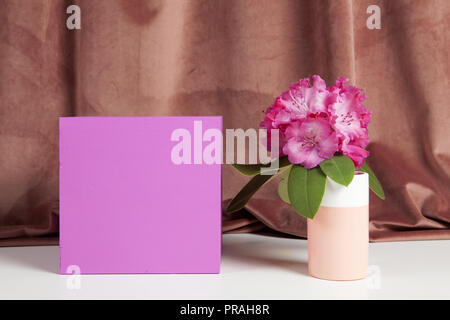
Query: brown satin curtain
pixel 230 58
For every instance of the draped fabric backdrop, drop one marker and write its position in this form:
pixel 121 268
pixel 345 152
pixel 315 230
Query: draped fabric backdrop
pixel 230 58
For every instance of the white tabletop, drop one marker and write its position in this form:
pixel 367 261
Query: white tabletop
pixel 253 267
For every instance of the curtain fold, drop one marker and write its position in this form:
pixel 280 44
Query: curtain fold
pixel 230 58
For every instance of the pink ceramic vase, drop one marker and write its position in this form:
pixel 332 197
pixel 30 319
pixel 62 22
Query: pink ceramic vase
pixel 338 236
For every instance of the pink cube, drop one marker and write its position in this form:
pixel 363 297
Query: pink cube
pixel 127 207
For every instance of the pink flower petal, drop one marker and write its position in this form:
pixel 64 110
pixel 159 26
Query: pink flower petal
pixel 310 142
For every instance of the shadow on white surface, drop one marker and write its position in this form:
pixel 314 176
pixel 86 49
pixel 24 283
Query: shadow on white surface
pixel 43 258
pixel 253 267
pixel 279 255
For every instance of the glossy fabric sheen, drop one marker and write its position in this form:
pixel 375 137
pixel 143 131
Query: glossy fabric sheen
pixel 230 58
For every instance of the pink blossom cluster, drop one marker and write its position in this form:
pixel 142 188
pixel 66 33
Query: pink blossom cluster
pixel 316 122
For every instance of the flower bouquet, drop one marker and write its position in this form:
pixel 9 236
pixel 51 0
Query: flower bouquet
pixel 322 133
pixel 322 138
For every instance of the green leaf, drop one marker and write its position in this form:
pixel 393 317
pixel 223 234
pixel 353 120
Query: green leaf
pixel 254 169
pixel 241 199
pixel 283 186
pixel 374 183
pixel 286 172
pixel 306 188
pixel 339 168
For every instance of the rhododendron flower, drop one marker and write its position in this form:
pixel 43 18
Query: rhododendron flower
pixel 303 99
pixel 310 142
pixel 315 122
pixel 300 101
pixel 350 118
pixel 357 154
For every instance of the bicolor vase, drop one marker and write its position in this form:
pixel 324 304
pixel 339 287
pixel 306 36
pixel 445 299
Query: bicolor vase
pixel 338 236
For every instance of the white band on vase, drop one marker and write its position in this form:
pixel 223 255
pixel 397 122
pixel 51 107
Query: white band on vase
pixel 355 195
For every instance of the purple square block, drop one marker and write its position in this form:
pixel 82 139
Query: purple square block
pixel 125 207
